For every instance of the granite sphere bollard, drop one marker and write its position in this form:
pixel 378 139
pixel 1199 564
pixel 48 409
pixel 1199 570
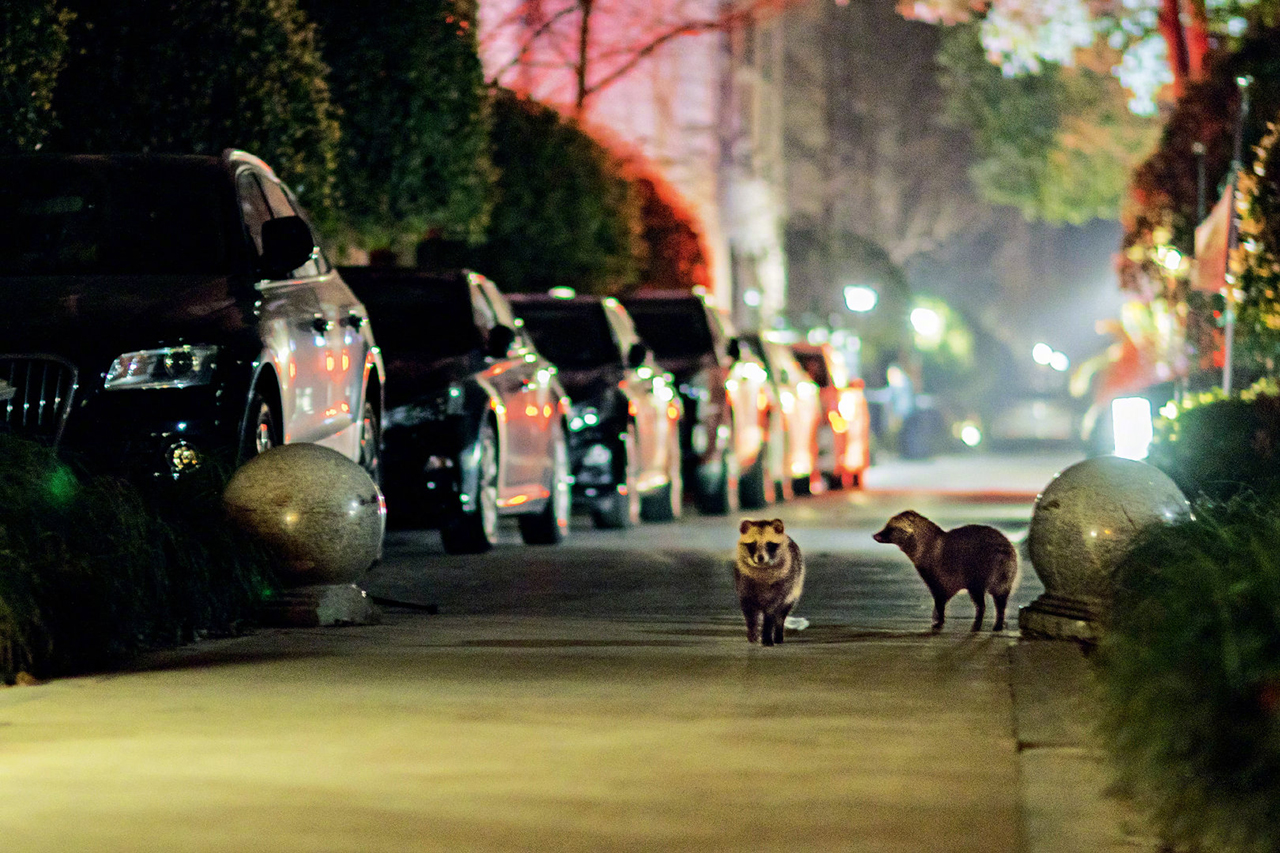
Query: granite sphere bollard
pixel 319 512
pixel 1083 524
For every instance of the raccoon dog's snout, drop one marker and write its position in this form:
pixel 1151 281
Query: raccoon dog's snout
pixel 881 536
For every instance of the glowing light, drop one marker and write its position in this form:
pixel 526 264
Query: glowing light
pixel 562 292
pixel 1042 353
pixel 346 361
pixel 1059 362
pixel 751 298
pixel 546 410
pixel 330 362
pixel 970 435
pixel 927 323
pixel 1131 417
pixel 531 411
pixel 860 298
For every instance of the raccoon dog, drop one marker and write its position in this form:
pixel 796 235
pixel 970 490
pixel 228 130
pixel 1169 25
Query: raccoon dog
pixel 975 557
pixel 768 574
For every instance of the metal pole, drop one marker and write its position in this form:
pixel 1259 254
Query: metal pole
pixel 1233 238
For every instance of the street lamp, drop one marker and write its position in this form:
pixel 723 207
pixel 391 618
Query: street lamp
pixel 859 298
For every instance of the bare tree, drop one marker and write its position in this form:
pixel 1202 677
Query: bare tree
pixel 570 50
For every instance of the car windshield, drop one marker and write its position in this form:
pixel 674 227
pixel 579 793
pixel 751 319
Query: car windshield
pixel 672 328
pixel 421 320
pixel 107 217
pixel 574 336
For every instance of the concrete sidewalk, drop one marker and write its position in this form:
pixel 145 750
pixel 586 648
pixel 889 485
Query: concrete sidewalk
pixel 439 733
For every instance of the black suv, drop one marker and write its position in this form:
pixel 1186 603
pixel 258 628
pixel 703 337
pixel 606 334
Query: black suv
pixel 165 312
pixel 728 402
pixel 475 423
pixel 624 428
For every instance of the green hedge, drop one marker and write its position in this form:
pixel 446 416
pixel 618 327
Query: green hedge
pixel 94 570
pixel 1190 673
pixel 1216 447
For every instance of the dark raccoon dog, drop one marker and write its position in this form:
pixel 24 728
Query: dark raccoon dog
pixel 768 573
pixel 975 558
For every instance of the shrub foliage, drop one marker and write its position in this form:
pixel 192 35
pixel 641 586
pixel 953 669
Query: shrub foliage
pixel 1217 447
pixel 197 77
pixel 414 157
pixel 1190 672
pixel 564 212
pixel 33 45
pixel 94 570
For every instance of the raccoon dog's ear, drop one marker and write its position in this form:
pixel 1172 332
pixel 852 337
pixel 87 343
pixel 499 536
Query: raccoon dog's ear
pixel 745 525
pixel 777 525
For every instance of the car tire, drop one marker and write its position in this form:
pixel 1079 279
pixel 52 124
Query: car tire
pixel 667 503
pixel 477 531
pixel 623 510
pixel 718 494
pixel 550 525
pixel 261 429
pixel 759 485
pixel 371 443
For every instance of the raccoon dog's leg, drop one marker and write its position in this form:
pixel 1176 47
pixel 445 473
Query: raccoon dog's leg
pixel 939 611
pixel 780 623
pixel 771 629
pixel 979 596
pixel 1000 601
pixel 753 622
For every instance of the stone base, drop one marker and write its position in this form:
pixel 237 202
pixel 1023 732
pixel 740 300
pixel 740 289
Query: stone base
pixel 322 605
pixel 1057 617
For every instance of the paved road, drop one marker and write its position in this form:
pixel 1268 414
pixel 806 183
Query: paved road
pixel 595 696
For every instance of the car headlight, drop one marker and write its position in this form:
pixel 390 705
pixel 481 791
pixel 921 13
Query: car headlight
pixel 594 412
pixel 170 367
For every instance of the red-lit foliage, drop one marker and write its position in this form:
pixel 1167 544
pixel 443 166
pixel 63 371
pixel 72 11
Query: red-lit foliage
pixel 676 259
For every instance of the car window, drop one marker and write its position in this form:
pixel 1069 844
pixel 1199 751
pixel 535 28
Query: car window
pixel 672 328
pixel 103 217
pixel 574 336
pixel 481 310
pixel 816 366
pixel 418 321
pixel 281 205
pixel 254 209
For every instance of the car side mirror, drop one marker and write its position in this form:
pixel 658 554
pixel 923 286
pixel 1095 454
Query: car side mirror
pixel 735 349
pixel 637 354
pixel 287 243
pixel 500 340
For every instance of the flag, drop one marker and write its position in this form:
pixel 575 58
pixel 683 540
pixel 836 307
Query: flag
pixel 1212 237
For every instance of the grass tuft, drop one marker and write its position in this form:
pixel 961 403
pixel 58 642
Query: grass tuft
pixel 94 569
pixel 1190 673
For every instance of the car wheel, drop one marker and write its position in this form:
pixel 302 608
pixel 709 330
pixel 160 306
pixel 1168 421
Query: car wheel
pixel 550 525
pixel 667 503
pixel 719 488
pixel 623 510
pixel 757 489
pixel 477 531
pixel 371 443
pixel 261 430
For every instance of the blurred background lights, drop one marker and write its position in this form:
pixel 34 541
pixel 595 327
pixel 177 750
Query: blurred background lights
pixel 1042 352
pixel 928 325
pixel 860 298
pixel 1047 356
pixel 1059 362
pixel 970 435
pixel 1132 419
pixel 562 292
pixel 751 298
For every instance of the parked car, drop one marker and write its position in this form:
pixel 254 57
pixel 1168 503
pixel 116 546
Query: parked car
pixel 174 313
pixel 726 394
pixel 844 431
pixel 624 425
pixel 796 417
pixel 475 427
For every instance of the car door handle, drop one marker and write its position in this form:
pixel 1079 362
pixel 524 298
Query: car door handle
pixel 320 324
